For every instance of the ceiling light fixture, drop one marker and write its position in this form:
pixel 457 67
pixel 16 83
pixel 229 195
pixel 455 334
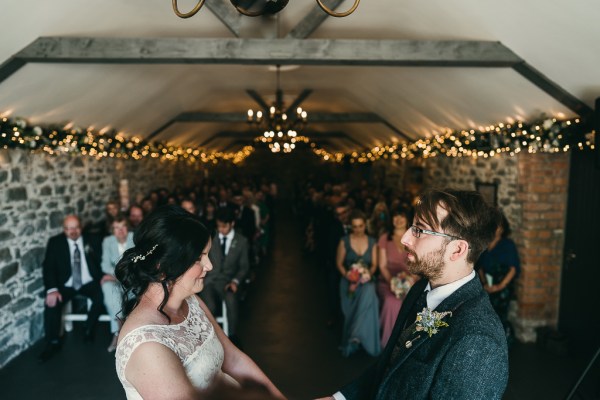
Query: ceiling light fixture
pixel 280 129
pixel 268 7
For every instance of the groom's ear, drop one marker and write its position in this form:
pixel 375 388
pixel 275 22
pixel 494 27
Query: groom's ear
pixel 460 249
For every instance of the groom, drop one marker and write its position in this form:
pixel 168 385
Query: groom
pixel 467 359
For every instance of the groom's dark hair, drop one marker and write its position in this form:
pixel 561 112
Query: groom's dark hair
pixel 469 217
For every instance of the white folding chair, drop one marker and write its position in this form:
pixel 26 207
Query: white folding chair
pixel 223 318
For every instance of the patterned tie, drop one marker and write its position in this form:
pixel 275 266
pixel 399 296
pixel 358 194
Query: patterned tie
pixel 76 268
pixel 223 244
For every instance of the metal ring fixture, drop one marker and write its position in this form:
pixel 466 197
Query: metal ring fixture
pixel 270 10
pixel 189 14
pixel 336 14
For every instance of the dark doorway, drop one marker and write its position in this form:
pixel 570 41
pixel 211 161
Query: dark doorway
pixel 580 296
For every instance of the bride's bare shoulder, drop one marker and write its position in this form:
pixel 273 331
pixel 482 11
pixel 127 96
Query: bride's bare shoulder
pixel 142 315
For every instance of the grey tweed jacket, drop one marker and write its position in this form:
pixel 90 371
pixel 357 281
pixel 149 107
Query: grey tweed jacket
pixel 466 360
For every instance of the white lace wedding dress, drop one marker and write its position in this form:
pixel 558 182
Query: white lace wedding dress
pixel 194 341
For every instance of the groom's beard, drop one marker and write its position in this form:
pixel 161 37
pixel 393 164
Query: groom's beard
pixel 430 266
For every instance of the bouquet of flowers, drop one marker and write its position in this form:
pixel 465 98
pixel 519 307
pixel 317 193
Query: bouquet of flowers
pixel 357 274
pixel 401 284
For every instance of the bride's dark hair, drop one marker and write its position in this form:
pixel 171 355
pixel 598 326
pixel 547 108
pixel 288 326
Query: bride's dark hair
pixel 167 243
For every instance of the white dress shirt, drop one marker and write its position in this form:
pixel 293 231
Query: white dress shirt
pixel 86 277
pixel 229 237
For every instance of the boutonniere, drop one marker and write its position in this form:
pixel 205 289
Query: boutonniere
pixel 430 322
pixel 87 248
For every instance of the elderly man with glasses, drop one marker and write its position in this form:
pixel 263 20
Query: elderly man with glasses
pixel 448 342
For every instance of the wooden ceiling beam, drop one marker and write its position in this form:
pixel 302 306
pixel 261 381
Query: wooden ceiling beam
pixel 311 21
pixel 105 50
pixel 553 89
pixel 226 14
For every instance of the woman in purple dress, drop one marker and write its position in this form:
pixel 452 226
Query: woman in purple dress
pixel 392 265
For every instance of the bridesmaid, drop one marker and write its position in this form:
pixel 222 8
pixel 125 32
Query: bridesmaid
pixel 392 261
pixel 358 300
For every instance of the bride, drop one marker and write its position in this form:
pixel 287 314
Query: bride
pixel 170 346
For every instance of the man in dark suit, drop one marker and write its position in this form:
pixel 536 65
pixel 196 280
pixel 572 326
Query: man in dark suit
pixel 245 220
pixel 71 267
pixel 468 358
pixel 229 257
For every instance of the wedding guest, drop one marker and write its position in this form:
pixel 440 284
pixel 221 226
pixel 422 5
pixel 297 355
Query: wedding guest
pixel 448 342
pixel 358 252
pixel 101 229
pixel 148 205
pixel 113 247
pixel 189 206
pixel 265 223
pixel 170 345
pixel 208 216
pixel 229 256
pixel 392 264
pixel 71 267
pixel 499 266
pixel 379 221
pixel 136 215
pixel 244 218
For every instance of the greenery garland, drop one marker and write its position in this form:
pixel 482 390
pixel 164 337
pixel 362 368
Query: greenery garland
pixel 17 133
pixel 547 135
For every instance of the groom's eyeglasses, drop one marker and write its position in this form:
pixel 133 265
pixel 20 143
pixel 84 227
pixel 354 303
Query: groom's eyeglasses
pixel 416 232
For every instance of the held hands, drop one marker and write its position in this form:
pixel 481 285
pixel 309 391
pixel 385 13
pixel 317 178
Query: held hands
pixel 107 278
pixel 231 287
pixel 493 288
pixel 53 298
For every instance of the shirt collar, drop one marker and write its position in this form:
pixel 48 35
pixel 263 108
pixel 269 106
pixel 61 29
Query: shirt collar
pixel 79 242
pixel 229 236
pixel 439 294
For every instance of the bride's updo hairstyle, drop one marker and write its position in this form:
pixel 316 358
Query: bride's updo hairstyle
pixel 167 243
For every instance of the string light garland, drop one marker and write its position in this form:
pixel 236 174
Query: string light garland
pixel 547 135
pixel 17 133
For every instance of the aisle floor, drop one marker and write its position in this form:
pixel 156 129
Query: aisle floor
pixel 283 329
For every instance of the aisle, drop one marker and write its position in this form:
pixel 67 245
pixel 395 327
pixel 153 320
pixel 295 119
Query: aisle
pixel 285 328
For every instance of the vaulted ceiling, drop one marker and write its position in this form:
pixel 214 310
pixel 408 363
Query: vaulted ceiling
pixel 392 71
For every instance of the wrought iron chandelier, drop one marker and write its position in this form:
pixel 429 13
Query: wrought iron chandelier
pixel 270 7
pixel 280 129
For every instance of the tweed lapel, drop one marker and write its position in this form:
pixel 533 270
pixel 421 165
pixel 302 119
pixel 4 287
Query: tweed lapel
pixel 451 303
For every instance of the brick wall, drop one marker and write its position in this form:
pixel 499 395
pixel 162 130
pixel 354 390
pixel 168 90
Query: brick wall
pixel 543 188
pixel 36 192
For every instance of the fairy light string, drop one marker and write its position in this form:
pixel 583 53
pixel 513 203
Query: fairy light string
pixel 547 135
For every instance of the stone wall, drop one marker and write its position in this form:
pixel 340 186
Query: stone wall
pixel 36 192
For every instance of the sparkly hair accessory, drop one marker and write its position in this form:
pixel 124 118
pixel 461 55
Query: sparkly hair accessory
pixel 138 258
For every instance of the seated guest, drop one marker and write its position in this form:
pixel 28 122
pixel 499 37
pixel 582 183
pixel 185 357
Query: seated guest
pixel 393 268
pixel 360 306
pixel 136 215
pixel 229 257
pixel 113 248
pixel 101 229
pixel 189 206
pixel 71 267
pixel 244 218
pixel 208 216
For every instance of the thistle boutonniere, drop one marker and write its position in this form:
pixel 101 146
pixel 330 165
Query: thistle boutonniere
pixel 430 322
